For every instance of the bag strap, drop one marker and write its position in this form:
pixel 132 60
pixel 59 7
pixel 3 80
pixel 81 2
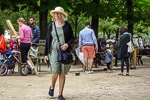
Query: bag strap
pixel 130 37
pixel 56 33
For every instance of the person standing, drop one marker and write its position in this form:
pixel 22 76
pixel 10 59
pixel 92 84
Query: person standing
pixel 108 59
pixel 88 45
pixel 35 31
pixel 66 37
pixel 25 36
pixel 123 49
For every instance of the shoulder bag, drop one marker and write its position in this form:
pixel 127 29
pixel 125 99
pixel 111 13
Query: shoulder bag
pixel 130 46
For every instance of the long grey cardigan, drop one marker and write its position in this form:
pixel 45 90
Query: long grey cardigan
pixel 123 47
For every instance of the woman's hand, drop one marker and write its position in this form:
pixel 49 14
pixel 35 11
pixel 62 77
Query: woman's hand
pixel 45 59
pixel 17 37
pixel 64 47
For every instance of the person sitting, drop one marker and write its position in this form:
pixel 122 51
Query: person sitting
pixel 11 63
pixel 13 43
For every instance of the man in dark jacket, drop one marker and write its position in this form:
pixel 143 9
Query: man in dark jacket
pixel 35 31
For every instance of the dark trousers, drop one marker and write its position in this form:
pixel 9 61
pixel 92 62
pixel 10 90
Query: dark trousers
pixel 24 49
pixel 126 60
pixel 108 65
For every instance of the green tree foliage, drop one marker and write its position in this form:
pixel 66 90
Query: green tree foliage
pixel 81 11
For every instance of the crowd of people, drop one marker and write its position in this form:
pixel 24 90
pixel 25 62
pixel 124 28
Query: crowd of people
pixel 29 35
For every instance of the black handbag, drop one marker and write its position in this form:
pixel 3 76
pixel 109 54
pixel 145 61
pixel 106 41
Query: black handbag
pixel 64 57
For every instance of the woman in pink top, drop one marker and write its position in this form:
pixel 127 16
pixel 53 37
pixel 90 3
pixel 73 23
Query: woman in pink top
pixel 25 35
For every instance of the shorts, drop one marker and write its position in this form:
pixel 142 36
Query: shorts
pixel 88 51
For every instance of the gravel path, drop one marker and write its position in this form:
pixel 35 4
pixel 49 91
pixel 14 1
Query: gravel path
pixel 97 86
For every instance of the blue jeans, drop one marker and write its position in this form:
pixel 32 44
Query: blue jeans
pixel 126 60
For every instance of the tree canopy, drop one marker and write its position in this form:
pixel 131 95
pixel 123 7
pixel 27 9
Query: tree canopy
pixel 109 14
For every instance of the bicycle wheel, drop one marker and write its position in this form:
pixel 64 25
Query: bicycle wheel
pixel 3 69
pixel 24 70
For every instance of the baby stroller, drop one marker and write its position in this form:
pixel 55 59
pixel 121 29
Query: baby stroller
pixel 9 60
pixel 9 63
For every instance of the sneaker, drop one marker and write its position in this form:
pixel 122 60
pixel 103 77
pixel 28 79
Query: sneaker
pixel 127 74
pixel 108 71
pixel 51 92
pixel 120 74
pixel 60 97
pixel 87 71
pixel 91 71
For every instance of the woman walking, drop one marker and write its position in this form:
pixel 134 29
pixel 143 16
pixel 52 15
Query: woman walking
pixel 65 34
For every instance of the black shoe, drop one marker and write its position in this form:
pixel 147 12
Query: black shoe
pixel 60 97
pixel 121 74
pixel 127 74
pixel 51 92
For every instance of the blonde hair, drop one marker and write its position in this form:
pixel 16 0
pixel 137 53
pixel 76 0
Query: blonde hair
pixel 62 17
pixel 22 20
pixel 8 46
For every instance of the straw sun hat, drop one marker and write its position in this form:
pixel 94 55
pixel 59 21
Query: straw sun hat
pixel 59 10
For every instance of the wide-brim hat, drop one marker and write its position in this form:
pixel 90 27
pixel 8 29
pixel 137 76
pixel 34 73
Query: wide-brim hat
pixel 59 10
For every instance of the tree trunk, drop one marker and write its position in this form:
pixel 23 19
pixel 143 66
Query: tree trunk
pixel 76 25
pixel 130 16
pixel 95 19
pixel 117 34
pixel 43 23
pixel 95 25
